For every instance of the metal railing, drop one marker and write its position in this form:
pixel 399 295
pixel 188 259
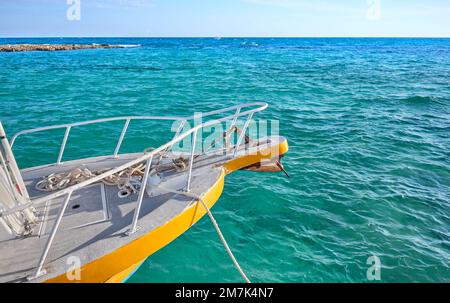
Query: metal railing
pixel 237 108
pixel 239 111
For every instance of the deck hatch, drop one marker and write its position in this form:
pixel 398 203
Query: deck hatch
pixel 89 207
pixel 86 207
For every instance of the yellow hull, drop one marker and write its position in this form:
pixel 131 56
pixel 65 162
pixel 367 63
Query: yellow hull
pixel 120 264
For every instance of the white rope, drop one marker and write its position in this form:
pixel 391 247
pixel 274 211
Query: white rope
pixel 216 226
pixel 226 137
pixel 225 244
pixel 128 181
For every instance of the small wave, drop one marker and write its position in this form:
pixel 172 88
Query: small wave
pixel 251 44
pixel 130 45
pixel 136 68
pixel 294 47
pixel 119 45
pixel 419 99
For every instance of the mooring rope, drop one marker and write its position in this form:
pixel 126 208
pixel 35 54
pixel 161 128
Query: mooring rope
pixel 129 180
pixel 226 137
pixel 224 242
pixel 216 226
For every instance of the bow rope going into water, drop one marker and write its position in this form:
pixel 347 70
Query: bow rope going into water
pixel 62 180
pixel 130 181
pixel 224 242
pixel 216 226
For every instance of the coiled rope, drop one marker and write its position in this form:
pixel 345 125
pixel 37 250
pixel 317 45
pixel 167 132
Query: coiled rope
pixel 226 137
pixel 129 181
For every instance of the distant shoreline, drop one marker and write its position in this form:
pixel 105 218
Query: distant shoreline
pixel 56 47
pixel 227 37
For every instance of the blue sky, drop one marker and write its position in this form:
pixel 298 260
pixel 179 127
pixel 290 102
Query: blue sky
pixel 227 18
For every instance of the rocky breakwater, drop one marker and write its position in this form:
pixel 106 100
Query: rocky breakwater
pixel 53 47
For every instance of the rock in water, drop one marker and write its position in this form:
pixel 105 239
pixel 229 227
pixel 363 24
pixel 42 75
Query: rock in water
pixel 52 47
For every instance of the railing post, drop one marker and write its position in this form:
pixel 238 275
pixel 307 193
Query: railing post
pixel 122 135
pixel 39 271
pixel 180 128
pixel 238 110
pixel 9 157
pixel 241 136
pixel 63 145
pixel 191 161
pixel 133 228
pixel 236 115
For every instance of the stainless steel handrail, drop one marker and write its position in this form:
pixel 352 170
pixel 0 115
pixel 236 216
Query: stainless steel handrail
pixel 146 157
pixel 128 119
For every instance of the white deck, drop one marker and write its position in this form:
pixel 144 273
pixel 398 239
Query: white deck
pixel 96 219
pixel 98 222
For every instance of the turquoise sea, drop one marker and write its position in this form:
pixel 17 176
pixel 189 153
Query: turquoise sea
pixel 368 122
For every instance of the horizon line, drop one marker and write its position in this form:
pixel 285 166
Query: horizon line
pixel 231 37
